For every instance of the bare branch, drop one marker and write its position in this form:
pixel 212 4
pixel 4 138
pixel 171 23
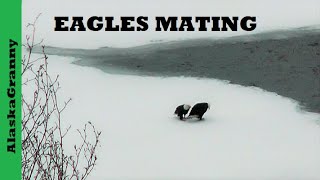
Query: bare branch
pixel 43 134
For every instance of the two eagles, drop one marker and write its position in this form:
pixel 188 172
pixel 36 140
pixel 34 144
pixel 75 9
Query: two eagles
pixel 197 110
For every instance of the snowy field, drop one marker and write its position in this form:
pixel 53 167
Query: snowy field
pixel 247 134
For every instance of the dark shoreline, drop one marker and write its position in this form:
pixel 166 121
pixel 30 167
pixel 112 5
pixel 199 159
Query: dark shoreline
pixel 286 62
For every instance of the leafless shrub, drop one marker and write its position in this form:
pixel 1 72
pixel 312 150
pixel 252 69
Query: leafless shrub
pixel 43 135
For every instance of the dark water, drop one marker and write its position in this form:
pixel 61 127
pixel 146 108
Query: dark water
pixel 285 62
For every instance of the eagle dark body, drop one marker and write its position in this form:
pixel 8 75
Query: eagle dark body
pixel 182 110
pixel 199 109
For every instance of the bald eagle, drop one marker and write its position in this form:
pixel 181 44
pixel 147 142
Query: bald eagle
pixel 199 109
pixel 182 110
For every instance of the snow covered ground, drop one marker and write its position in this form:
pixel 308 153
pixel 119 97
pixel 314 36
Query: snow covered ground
pixel 247 134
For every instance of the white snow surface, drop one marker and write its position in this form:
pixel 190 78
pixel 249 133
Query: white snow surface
pixel 248 133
